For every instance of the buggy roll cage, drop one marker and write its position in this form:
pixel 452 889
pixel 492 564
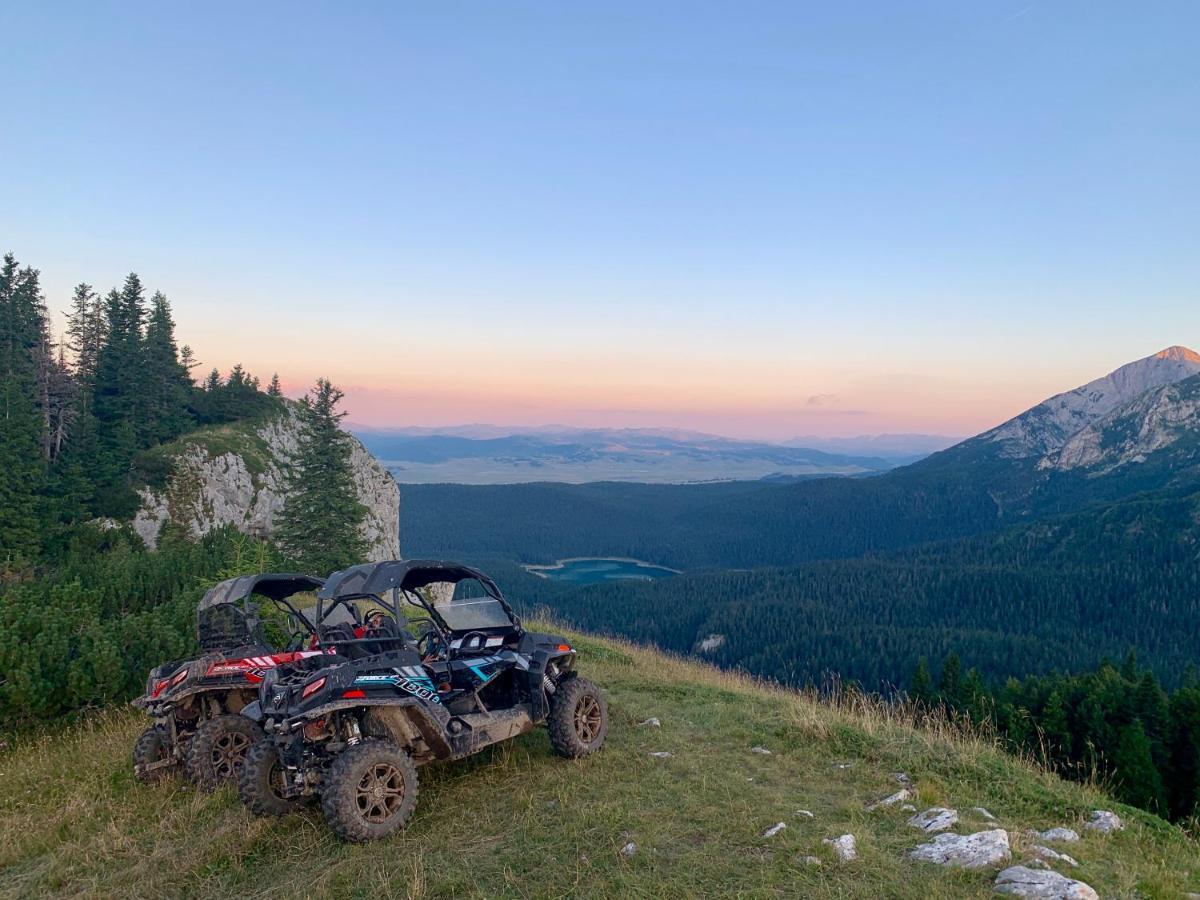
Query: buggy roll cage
pixel 373 581
pixel 236 594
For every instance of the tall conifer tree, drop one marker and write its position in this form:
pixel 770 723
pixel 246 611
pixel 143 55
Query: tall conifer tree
pixel 22 424
pixel 319 525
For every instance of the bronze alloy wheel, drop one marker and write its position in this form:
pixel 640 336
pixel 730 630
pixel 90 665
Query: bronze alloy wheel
pixel 588 718
pixel 228 751
pixel 380 792
pixel 578 720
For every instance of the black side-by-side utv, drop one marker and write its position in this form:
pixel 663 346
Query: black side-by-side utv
pixel 353 728
pixel 196 703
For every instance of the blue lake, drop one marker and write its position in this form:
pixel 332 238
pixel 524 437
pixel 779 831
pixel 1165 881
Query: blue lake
pixel 596 570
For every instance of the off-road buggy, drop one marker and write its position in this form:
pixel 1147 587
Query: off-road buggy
pixel 354 731
pixel 196 703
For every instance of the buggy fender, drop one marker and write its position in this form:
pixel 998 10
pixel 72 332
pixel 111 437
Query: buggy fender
pixel 253 711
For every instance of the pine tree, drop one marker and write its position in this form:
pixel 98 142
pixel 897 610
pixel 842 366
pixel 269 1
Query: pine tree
pixel 86 328
pixel 118 401
pixel 1055 729
pixel 921 691
pixel 22 426
pixel 1138 781
pixel 950 680
pixel 167 384
pixel 319 525
pixel 274 389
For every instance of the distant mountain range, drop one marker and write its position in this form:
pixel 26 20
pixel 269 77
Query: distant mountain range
pixel 486 454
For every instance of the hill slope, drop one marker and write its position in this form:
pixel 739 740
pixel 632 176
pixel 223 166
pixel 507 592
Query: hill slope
pixel 517 822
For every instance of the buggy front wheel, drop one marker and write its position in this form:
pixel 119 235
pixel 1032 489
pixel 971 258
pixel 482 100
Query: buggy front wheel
pixel 578 721
pixel 370 791
pixel 217 749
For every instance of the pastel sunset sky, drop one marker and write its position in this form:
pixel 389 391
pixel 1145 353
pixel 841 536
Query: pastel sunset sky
pixel 756 219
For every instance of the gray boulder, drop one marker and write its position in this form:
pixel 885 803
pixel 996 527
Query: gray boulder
pixel 1020 881
pixel 971 851
pixel 934 820
pixel 1053 855
pixel 891 799
pixel 1061 835
pixel 1104 822
pixel 845 847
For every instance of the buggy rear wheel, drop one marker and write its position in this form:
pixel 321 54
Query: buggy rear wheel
pixel 260 783
pixel 578 721
pixel 370 791
pixel 217 749
pixel 152 756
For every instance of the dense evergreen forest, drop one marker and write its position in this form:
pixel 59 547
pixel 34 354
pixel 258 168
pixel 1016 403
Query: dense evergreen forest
pixel 85 610
pixel 1061 593
pixel 966 490
pixel 1115 725
pixel 80 414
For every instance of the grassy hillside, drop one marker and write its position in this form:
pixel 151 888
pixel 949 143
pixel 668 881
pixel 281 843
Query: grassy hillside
pixel 520 822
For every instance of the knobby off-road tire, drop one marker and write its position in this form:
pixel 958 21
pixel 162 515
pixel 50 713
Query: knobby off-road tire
pixel 370 791
pixel 217 749
pixel 260 782
pixel 578 721
pixel 152 746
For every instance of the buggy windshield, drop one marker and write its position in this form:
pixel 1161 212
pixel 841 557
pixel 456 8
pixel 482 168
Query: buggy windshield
pixel 475 614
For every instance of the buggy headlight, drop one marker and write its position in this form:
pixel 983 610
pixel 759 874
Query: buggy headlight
pixel 312 687
pixel 183 673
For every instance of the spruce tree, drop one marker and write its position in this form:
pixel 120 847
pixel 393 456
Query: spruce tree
pixel 167 384
pixel 1138 781
pixel 274 389
pixel 118 401
pixel 85 331
pixel 921 691
pixel 319 526
pixel 950 680
pixel 22 426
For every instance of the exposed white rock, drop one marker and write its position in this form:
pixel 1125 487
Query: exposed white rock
pixel 629 849
pixel 805 813
pixel 970 851
pixel 1104 822
pixel 983 813
pixel 774 829
pixel 1046 427
pixel 936 819
pixel 891 800
pixel 1060 835
pixel 711 643
pixel 206 491
pixel 809 860
pixel 763 751
pixel 907 807
pixel 661 754
pixel 845 847
pixel 651 722
pixel 902 778
pixel 1131 432
pixel 1022 881
pixel 1053 855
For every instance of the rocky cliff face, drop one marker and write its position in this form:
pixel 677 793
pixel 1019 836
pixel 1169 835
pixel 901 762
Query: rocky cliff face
pixel 1158 420
pixel 1048 426
pixel 233 475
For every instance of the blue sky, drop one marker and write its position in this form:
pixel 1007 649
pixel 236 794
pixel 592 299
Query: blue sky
pixel 928 215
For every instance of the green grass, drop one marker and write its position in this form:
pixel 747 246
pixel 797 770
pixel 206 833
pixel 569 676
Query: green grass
pixel 517 821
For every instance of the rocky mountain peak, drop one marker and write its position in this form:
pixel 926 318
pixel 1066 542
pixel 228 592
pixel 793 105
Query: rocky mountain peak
pixel 1177 352
pixel 1046 427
